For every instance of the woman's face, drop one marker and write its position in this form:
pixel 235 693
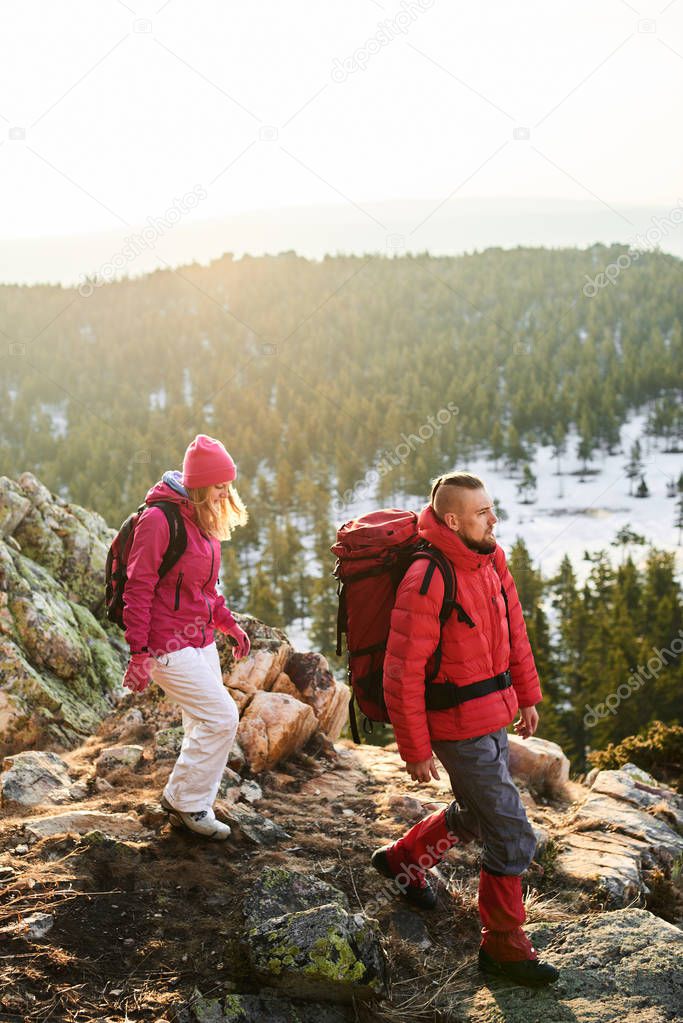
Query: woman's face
pixel 218 492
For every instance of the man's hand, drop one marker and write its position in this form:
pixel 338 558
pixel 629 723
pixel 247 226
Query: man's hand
pixel 527 723
pixel 423 770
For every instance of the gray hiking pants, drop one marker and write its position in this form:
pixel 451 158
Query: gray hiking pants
pixel 487 804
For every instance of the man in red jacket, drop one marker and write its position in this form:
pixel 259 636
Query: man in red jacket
pixel 485 672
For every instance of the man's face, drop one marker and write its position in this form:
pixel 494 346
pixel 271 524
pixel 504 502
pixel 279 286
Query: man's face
pixel 474 520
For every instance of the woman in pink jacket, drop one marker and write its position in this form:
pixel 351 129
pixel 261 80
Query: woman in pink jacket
pixel 170 622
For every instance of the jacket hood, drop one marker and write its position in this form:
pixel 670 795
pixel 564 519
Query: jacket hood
pixel 170 488
pixel 438 534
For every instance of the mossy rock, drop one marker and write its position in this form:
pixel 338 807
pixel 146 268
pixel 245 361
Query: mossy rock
pixel 323 952
pixel 280 891
pixel 267 1009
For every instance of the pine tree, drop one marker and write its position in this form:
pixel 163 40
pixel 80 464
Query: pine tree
pixel 497 443
pixel 678 522
pixel 526 488
pixel 642 488
pixel 625 538
pixel 634 466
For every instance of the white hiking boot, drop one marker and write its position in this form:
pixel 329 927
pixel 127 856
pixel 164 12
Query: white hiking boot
pixel 203 822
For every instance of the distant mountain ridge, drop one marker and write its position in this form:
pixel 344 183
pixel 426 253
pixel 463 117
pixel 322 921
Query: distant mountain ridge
pixel 438 225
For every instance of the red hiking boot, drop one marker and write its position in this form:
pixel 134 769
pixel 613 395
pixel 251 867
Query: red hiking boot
pixel 407 859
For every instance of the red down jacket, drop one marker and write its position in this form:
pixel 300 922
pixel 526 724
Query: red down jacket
pixel 468 655
pixel 182 608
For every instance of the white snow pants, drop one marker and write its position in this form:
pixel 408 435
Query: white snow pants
pixel 192 678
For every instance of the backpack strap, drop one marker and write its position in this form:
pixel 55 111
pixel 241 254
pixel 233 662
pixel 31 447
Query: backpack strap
pixel 437 559
pixel 178 535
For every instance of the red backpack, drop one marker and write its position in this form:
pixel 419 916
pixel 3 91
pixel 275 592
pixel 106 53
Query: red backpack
pixel 117 556
pixel 373 553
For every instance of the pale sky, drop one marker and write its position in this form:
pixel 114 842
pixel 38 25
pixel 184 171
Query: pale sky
pixel 110 111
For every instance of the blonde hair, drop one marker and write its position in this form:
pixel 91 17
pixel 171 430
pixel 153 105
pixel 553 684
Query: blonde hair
pixel 444 502
pixel 218 524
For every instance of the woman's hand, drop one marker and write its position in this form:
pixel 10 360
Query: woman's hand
pixel 137 674
pixel 242 640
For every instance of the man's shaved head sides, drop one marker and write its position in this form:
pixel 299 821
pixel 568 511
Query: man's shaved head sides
pixel 447 491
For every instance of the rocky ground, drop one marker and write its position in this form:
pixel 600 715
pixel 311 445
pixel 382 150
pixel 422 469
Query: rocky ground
pixel 107 913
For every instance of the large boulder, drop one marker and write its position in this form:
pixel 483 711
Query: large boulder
pixel 69 541
pixel 255 673
pixel 303 940
pixel 538 763
pixel 60 673
pixel 33 778
pixel 308 677
pixel 627 825
pixel 633 785
pixel 273 727
pixel 623 966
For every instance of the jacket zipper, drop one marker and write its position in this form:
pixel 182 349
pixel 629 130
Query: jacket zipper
pixel 496 635
pixel 177 591
pixel 208 606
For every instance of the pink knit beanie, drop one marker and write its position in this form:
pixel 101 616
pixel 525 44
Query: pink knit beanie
pixel 206 461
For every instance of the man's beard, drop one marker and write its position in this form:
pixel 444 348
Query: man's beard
pixel 480 546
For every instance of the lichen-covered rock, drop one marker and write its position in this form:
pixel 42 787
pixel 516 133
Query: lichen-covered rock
pixel 280 891
pixel 261 636
pixel 303 938
pixel 113 757
pixel 621 964
pixel 59 674
pixel 34 704
pixel 268 1009
pixel 322 952
pixel 538 762
pixel 316 685
pixel 14 505
pixel 205 1010
pixel 69 541
pixel 273 727
pixel 32 778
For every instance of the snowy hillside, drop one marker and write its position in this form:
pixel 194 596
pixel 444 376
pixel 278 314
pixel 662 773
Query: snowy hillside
pixel 572 513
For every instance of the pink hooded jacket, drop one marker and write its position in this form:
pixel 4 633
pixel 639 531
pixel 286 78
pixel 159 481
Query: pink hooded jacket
pixel 183 608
